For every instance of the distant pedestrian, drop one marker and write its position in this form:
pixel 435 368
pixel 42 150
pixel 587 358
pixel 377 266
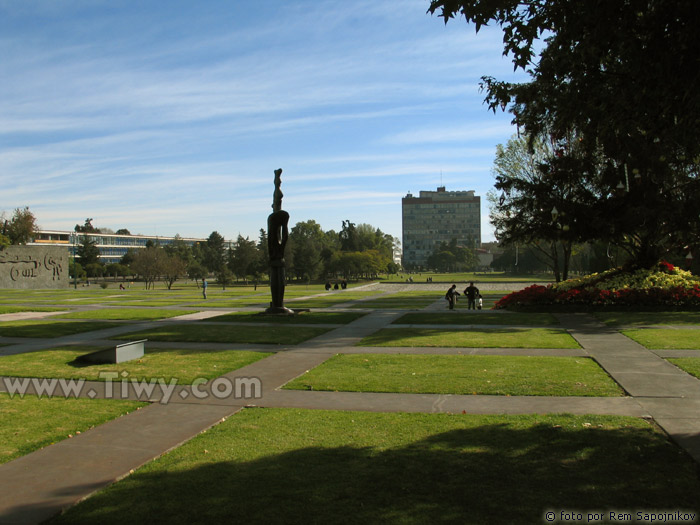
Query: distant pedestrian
pixel 328 285
pixel 451 296
pixel 472 292
pixel 480 302
pixel 204 288
pixel 336 287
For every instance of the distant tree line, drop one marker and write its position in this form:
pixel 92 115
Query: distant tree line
pixel 356 251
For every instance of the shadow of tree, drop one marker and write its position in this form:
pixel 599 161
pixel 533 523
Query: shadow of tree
pixel 496 473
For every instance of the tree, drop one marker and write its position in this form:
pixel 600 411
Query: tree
pixel 450 257
pixel 196 271
pixel 117 270
pixel 172 268
pixel 544 202
pixel 307 242
pixel 128 257
pixel 180 249
pixel 123 231
pixel 243 257
pixel 20 229
pixel 87 227
pixel 624 75
pixel 148 264
pixel 348 237
pixel 214 252
pixel 75 270
pixel 263 260
pixel 88 252
pixel 224 277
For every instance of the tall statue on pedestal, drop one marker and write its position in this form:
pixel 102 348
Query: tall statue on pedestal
pixel 277 234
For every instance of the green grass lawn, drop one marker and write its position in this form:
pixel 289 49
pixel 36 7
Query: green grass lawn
pixel 413 299
pixel 225 333
pixel 184 365
pixel 332 298
pixel 125 314
pixel 16 309
pixel 479 317
pixel 648 318
pixel 460 374
pixel 30 423
pixel 665 339
pixel 481 338
pixel 688 364
pixel 467 277
pixel 50 329
pixel 317 466
pixel 302 318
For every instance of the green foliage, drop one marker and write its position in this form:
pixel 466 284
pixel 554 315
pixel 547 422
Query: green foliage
pixel 243 258
pixel 87 227
pixel 451 257
pixel 214 252
pixel 623 76
pixel 87 251
pixel 19 229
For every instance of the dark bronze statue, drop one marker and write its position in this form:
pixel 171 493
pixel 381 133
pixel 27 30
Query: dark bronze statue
pixel 277 234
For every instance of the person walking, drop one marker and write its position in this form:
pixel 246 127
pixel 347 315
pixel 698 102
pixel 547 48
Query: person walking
pixel 204 288
pixel 472 292
pixel 451 296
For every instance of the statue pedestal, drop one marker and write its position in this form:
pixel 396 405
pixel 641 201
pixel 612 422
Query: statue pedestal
pixel 279 310
pixel 283 310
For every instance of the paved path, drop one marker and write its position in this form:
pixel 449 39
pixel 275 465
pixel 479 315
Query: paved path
pixel 38 485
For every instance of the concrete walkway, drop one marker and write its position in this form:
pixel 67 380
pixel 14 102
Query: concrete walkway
pixel 38 485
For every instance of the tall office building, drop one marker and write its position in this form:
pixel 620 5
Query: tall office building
pixel 435 217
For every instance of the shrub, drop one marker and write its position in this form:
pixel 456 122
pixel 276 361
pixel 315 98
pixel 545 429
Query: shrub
pixel 664 286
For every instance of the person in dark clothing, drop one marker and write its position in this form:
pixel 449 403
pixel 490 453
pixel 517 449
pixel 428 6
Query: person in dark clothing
pixel 451 296
pixel 472 292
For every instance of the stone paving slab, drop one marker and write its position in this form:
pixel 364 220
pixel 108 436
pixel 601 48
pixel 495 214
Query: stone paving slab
pixel 39 485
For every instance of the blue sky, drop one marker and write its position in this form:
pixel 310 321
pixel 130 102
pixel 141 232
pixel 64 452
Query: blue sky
pixel 170 117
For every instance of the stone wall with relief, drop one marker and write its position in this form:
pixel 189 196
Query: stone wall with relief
pixel 34 267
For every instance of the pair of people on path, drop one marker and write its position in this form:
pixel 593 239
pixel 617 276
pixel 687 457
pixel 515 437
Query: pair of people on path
pixel 471 291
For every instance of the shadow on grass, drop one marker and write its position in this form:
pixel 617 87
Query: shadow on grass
pixel 486 474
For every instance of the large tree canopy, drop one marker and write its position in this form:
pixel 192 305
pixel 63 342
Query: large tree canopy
pixel 624 75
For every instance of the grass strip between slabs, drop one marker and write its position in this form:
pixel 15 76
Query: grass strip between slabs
pixel 459 374
pixel 473 338
pixel 648 318
pixel 51 329
pixel 665 339
pixel 183 365
pixel 479 317
pixel 225 333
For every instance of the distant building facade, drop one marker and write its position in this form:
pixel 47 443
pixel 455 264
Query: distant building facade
pixel 111 245
pixel 438 216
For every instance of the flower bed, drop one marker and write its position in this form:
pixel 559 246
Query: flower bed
pixel 664 287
